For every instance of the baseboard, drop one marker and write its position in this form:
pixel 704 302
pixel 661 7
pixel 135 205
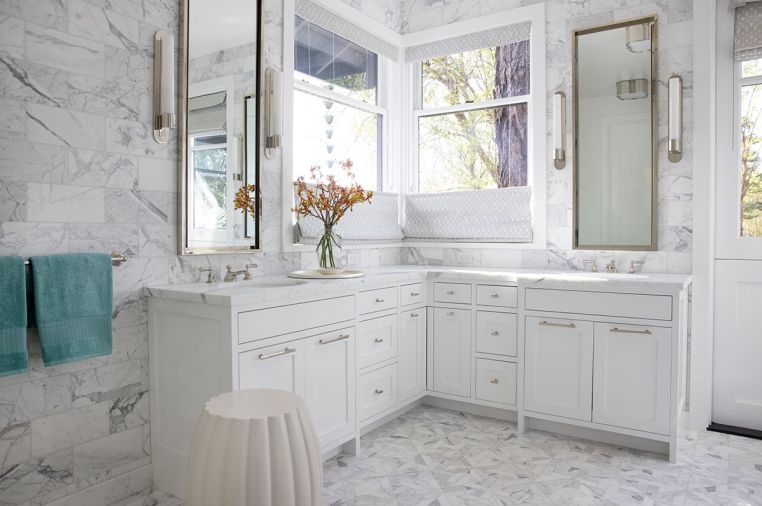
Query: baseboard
pixel 735 431
pixel 601 436
pixel 111 490
pixel 389 417
pixel 473 409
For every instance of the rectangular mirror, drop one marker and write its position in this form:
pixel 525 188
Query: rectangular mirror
pixel 614 129
pixel 219 124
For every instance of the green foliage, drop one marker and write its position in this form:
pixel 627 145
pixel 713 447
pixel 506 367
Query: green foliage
pixel 751 166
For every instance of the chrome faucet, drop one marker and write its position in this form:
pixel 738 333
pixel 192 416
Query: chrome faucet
pixel 590 264
pixel 611 266
pixel 636 266
pixel 232 275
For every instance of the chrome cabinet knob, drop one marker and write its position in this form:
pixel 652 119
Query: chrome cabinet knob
pixel 378 391
pixel 494 381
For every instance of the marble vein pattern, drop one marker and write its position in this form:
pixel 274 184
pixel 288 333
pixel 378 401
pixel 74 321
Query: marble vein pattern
pixel 436 457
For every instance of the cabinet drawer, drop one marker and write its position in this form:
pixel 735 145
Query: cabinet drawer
pixel 276 321
pixel 458 293
pixel 496 381
pixel 411 294
pixel 377 340
pixel 496 333
pixel 377 300
pixel 377 391
pixel 493 295
pixel 626 305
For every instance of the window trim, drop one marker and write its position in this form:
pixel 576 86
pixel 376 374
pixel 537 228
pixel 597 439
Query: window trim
pixel 536 100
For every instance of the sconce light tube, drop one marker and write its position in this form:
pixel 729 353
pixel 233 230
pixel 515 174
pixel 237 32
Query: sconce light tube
pixel 675 119
pixel 165 118
pixel 559 130
pixel 273 111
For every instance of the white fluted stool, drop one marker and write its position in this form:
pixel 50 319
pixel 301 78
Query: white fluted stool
pixel 254 448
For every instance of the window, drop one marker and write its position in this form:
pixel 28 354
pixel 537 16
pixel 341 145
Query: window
pixel 750 93
pixel 337 111
pixel 473 119
pixel 209 179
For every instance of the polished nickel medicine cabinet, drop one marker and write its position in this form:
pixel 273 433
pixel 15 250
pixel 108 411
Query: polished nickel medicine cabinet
pixel 219 124
pixel 615 125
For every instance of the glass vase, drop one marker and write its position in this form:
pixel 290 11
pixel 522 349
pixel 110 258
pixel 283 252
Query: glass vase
pixel 329 253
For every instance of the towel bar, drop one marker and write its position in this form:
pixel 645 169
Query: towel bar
pixel 117 259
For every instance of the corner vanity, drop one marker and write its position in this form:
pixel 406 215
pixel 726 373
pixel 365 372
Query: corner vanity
pixel 600 356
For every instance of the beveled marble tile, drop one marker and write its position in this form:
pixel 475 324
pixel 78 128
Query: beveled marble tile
pixel 12 201
pixel 12 32
pixel 26 161
pixel 65 203
pixel 65 51
pixel 53 125
pixel 70 428
pixel 115 450
pixel 102 25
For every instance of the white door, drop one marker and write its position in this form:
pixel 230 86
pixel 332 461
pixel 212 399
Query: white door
pixel 411 360
pixel 632 374
pixel 280 367
pixel 737 366
pixel 452 351
pixel 558 375
pixel 330 384
pixel 737 395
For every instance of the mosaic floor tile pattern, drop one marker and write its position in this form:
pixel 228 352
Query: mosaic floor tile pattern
pixel 437 457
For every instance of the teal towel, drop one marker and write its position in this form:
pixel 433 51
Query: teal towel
pixel 72 304
pixel 13 353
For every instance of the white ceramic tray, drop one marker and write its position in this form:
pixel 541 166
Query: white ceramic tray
pixel 347 274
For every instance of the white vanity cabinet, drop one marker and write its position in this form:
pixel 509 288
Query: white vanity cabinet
pixel 451 330
pixel 411 372
pixel 558 358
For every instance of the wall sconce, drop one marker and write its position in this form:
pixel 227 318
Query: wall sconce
pixel 559 130
pixel 638 38
pixel 273 111
pixel 632 89
pixel 675 119
pixel 164 115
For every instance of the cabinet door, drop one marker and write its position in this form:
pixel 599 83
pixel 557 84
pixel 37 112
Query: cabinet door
pixel 632 377
pixel 411 353
pixel 452 351
pixel 280 367
pixel 330 384
pixel 558 376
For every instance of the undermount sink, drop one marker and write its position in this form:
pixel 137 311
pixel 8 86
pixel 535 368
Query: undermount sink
pixel 273 283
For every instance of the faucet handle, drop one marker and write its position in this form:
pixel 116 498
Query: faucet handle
pixel 246 273
pixel 590 264
pixel 210 273
pixel 636 266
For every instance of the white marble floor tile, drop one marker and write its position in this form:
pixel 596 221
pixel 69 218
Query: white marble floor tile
pixel 435 457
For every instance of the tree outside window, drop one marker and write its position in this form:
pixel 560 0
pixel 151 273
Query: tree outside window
pixel 751 149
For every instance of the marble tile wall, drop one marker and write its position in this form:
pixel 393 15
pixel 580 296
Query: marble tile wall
pixel 79 171
pixel 675 195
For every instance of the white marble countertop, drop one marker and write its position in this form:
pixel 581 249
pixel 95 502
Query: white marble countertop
pixel 279 288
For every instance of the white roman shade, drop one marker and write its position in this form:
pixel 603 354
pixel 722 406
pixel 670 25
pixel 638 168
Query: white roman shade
pixel 496 215
pixel 494 37
pixel 207 113
pixel 747 43
pixel 377 221
pixel 332 22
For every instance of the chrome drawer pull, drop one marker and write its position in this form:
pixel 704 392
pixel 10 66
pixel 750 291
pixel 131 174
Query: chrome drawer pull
pixel 495 333
pixel 378 391
pixel 450 313
pixel 413 315
pixel 553 324
pixel 494 381
pixel 379 300
pixel 450 292
pixel 495 296
pixel 645 332
pixel 414 294
pixel 378 340
pixel 329 341
pixel 285 351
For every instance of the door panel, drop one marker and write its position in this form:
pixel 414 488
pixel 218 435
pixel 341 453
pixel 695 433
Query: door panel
pixel 452 351
pixel 280 367
pixel 737 396
pixel 411 353
pixel 632 371
pixel 559 367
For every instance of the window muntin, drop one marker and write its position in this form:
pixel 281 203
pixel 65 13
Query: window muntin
pixel 750 170
pixel 473 121
pixel 336 103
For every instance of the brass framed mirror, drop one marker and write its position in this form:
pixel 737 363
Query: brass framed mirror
pixel 615 136
pixel 219 124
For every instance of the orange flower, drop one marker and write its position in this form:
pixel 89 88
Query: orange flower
pixel 327 200
pixel 246 199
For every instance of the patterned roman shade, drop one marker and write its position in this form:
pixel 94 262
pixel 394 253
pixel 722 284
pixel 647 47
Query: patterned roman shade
pixel 377 221
pixel 494 37
pixel 748 30
pixel 496 215
pixel 207 113
pixel 345 28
